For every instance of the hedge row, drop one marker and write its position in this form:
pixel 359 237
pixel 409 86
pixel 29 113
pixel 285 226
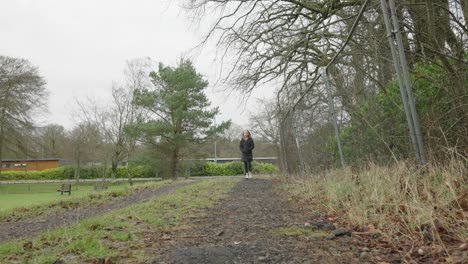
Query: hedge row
pixel 194 169
pixel 230 169
pixel 66 173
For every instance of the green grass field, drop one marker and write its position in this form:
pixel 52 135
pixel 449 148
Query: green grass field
pixel 126 235
pixel 28 195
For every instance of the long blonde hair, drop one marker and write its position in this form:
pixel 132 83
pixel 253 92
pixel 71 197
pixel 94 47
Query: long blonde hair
pixel 248 134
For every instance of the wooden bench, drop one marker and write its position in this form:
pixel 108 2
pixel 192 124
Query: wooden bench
pixel 66 187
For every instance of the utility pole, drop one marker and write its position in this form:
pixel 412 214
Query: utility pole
pixel 404 66
pixel 404 82
pixel 215 150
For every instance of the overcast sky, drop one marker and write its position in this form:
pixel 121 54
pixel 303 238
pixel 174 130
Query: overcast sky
pixel 81 46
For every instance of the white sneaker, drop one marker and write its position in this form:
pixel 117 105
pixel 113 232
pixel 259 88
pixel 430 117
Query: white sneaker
pixel 247 176
pixel 250 174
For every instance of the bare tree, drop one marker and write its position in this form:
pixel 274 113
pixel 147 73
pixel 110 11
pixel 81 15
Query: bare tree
pixel 233 133
pixel 87 143
pixel 114 119
pixel 22 92
pixel 52 140
pixel 265 121
pixel 137 77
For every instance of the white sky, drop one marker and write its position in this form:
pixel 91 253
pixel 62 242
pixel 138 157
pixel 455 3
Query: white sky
pixel 81 46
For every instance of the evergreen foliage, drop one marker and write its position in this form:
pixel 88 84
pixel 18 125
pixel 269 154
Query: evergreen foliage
pixel 381 120
pixel 178 112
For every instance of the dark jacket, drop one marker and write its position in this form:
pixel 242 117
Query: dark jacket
pixel 246 147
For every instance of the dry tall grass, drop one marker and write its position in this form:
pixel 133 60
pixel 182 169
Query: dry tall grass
pixel 425 206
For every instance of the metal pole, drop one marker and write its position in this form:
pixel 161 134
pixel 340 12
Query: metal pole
pixel 396 64
pixel 331 108
pixel 215 156
pixel 407 79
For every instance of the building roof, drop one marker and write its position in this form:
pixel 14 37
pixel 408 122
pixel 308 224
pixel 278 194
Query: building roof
pixel 23 160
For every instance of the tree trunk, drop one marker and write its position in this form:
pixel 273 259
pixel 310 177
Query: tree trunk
pixel 278 154
pixel 422 13
pixel 384 58
pixel 2 130
pixel 77 170
pixel 104 172
pixel 464 4
pixel 114 169
pixel 291 152
pixel 404 36
pixel 346 93
pixel 129 176
pixel 435 39
pixel 459 81
pixel 174 163
pixel 2 133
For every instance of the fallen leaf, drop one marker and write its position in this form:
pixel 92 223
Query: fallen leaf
pixel 28 245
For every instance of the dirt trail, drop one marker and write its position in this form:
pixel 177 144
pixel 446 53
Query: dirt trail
pixel 29 228
pixel 244 228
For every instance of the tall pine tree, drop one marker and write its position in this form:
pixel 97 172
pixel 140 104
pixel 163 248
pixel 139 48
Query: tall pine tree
pixel 178 111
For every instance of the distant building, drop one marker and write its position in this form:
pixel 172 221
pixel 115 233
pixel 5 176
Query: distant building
pixel 31 164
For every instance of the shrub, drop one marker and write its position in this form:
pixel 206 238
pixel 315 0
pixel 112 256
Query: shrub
pixel 135 172
pixel 378 128
pixel 68 172
pixel 189 168
pixel 264 168
pixel 231 169
pixel 219 169
pixel 95 172
pixel 236 167
pixel 20 175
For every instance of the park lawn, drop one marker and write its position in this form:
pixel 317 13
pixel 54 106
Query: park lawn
pixel 29 195
pixel 126 235
pixel 22 201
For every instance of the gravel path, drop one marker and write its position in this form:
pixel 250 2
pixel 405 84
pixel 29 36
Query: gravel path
pixel 246 228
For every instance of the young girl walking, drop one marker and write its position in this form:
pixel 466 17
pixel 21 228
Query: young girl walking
pixel 246 146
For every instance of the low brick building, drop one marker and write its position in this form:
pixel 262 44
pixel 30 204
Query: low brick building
pixel 31 164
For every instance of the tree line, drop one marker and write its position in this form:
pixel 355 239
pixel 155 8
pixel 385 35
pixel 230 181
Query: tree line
pixel 157 117
pixel 285 44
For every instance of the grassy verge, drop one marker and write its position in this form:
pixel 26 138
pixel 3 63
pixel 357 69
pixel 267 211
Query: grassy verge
pixel 122 236
pixel 412 209
pixel 23 202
